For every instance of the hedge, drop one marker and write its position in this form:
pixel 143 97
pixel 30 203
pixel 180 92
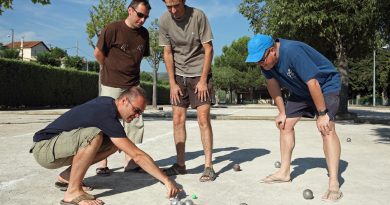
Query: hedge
pixel 34 85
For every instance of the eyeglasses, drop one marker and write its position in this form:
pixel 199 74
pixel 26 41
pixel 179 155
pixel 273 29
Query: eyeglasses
pixel 267 52
pixel 140 15
pixel 137 110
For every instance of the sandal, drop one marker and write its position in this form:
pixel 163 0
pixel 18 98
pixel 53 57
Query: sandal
pixel 63 186
pixel 175 169
pixel 77 200
pixel 103 171
pixel 208 175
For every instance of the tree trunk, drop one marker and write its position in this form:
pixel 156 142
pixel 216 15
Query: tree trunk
pixel 343 68
pixel 385 97
pixel 154 98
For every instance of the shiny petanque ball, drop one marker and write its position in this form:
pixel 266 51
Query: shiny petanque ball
pixel 308 194
pixel 348 139
pixel 277 164
pixel 243 204
pixel 236 167
pixel 188 202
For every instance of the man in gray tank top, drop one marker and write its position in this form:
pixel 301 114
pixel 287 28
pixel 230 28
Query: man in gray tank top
pixel 186 36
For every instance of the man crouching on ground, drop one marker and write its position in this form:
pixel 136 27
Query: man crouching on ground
pixel 89 133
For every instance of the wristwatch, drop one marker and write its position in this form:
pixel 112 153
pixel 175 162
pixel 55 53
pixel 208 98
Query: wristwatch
pixel 322 112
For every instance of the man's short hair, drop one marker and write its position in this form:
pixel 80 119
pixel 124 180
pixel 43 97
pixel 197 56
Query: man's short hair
pixel 135 3
pixel 133 92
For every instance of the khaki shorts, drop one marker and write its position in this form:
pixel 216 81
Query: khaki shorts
pixel 59 150
pixel 187 86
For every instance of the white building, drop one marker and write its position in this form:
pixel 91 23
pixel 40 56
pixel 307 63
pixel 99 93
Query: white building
pixel 29 49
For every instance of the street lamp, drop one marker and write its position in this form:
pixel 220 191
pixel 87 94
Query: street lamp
pixel 12 37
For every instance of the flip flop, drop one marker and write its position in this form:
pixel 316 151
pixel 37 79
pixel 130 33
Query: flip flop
pixel 63 186
pixel 77 200
pixel 325 197
pixel 271 179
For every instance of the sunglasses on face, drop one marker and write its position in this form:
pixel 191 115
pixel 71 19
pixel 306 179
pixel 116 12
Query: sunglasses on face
pixel 265 56
pixel 140 15
pixel 136 110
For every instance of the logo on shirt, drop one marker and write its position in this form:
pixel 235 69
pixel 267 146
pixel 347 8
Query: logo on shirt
pixel 291 74
pixel 125 48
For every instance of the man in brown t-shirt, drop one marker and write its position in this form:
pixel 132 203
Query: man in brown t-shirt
pixel 120 49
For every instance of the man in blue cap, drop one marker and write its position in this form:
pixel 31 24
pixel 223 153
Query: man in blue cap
pixel 314 85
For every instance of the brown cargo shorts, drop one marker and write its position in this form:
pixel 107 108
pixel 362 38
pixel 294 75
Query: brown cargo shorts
pixel 187 86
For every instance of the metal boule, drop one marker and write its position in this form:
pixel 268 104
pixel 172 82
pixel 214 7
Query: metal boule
pixel 188 202
pixel 308 194
pixel 236 167
pixel 277 164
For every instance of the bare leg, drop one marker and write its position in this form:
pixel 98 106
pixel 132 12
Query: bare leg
pixel 80 164
pixel 179 132
pixel 65 175
pixel 287 143
pixel 206 132
pixel 332 150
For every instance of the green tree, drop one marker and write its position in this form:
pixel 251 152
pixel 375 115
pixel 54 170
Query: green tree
pixel 47 58
pixel 76 62
pixel 156 56
pixel 11 53
pixel 7 4
pixel 105 12
pixel 146 77
pixel 247 76
pixel 226 78
pixel 58 53
pixel 346 28
pixel 93 66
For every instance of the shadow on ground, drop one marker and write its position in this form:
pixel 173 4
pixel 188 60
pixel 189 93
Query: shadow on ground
pixel 384 135
pixel 236 156
pixel 304 164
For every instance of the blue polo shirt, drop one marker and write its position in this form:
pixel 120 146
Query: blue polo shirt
pixel 297 64
pixel 100 112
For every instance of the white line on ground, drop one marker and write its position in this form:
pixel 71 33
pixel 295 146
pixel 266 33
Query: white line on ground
pixel 189 125
pixel 24 135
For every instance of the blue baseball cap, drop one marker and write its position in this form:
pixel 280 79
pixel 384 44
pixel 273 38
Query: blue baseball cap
pixel 257 46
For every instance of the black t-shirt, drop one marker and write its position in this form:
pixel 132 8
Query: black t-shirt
pixel 100 112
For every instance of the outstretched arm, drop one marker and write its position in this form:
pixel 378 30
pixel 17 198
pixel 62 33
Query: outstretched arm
pixel 146 163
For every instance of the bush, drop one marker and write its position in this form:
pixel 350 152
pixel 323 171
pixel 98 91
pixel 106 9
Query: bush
pixel 34 85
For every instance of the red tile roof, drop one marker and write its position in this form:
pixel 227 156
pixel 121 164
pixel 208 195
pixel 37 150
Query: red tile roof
pixel 26 44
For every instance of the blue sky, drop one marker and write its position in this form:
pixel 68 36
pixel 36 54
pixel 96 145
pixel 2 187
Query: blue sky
pixel 63 23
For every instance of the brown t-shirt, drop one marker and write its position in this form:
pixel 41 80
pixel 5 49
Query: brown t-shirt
pixel 123 48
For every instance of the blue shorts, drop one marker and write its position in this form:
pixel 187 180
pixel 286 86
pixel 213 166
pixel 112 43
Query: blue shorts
pixel 298 107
